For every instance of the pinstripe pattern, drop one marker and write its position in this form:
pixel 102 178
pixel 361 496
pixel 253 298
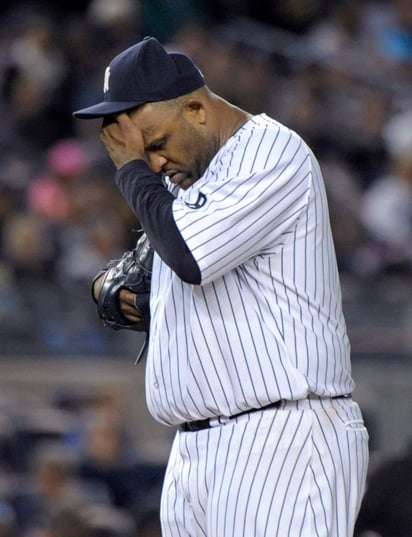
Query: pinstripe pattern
pixel 298 471
pixel 266 322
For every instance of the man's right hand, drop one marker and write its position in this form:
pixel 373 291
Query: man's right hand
pixel 126 299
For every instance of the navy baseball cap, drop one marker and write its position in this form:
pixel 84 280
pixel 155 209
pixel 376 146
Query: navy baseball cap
pixel 144 73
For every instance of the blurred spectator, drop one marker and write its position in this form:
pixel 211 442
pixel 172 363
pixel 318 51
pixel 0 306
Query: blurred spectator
pixel 105 438
pixel 393 35
pixel 387 208
pixel 118 23
pixel 345 199
pixel 49 194
pixel 8 524
pixel 51 488
pixel 397 132
pixel 108 455
pixel 28 245
pixel 26 278
pixel 35 77
pixel 387 214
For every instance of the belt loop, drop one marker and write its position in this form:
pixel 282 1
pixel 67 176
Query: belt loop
pixel 220 420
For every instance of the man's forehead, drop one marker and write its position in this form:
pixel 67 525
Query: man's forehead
pixel 150 117
pixel 151 120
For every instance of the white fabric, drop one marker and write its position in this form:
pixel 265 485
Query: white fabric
pixel 266 322
pixel 298 471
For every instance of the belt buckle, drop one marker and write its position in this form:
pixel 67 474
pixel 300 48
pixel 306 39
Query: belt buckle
pixel 220 420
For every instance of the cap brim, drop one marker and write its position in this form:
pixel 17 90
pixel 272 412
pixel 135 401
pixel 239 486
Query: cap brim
pixel 104 109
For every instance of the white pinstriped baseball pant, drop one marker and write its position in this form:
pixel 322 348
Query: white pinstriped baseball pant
pixel 296 471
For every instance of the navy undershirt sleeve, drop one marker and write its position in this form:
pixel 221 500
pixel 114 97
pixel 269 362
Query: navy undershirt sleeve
pixel 152 203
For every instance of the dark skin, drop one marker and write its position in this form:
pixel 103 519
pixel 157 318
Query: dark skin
pixel 176 138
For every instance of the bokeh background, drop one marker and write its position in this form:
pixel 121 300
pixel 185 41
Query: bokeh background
pixel 79 455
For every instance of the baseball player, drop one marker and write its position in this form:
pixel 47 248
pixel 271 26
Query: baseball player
pixel 248 355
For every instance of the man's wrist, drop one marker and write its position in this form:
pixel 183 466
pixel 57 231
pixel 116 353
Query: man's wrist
pixel 140 168
pixel 122 166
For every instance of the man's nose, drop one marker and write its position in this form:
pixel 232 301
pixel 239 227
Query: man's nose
pixel 157 162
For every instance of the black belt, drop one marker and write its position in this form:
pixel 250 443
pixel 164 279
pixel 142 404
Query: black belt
pixel 198 425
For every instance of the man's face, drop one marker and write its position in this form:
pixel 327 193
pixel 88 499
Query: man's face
pixel 176 142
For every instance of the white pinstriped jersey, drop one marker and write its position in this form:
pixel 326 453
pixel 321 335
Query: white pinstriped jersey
pixel 266 322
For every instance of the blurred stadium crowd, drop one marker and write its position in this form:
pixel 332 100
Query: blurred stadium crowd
pixel 69 467
pixel 339 73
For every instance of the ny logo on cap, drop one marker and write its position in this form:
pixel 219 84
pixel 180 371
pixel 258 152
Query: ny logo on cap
pixel 106 80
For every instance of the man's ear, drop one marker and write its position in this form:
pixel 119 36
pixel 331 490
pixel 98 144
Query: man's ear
pixel 195 111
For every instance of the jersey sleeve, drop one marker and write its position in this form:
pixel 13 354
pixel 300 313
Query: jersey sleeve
pixel 152 203
pixel 246 204
pixel 250 210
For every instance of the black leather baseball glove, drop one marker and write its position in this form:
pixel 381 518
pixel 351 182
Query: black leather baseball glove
pixel 132 271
